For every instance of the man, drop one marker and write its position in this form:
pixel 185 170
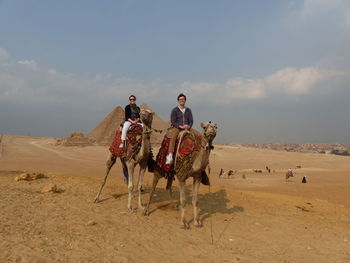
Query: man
pixel 181 119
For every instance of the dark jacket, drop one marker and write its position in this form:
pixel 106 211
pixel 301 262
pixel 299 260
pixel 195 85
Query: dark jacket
pixel 178 118
pixel 132 112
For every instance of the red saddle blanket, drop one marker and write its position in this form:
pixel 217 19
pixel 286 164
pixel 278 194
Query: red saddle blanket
pixel 133 143
pixel 189 144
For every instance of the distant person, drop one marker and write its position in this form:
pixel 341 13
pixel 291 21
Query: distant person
pixel 132 116
pixel 181 119
pixel 304 181
pixel 289 173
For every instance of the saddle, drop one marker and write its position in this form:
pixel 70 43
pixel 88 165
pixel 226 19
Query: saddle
pixel 133 142
pixel 186 145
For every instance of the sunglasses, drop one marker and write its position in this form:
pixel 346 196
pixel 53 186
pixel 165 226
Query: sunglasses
pixel 132 99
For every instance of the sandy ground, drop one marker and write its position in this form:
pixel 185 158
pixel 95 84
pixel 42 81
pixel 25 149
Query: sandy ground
pixel 261 218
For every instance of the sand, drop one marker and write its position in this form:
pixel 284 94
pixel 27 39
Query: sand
pixel 262 218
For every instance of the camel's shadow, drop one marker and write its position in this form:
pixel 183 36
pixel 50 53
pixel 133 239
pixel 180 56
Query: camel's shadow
pixel 216 202
pixel 209 203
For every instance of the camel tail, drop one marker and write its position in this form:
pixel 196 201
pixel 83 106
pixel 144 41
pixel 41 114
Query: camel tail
pixel 204 178
pixel 151 164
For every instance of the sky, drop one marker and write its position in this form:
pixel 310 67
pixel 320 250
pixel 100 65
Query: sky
pixel 264 71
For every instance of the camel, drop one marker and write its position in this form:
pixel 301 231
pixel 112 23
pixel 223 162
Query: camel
pixel 200 162
pixel 140 158
pixel 289 174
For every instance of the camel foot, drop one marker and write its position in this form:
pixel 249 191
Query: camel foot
pixel 146 212
pixel 184 225
pixel 198 223
pixel 131 210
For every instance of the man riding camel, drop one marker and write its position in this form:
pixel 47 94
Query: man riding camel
pixel 181 119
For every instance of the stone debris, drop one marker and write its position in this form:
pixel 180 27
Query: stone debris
pixel 50 188
pixel 91 223
pixel 23 177
pixel 29 176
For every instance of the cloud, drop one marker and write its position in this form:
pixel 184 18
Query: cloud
pixel 347 19
pixel 30 63
pixel 4 53
pixel 25 81
pixel 298 82
pixel 313 8
pixel 287 81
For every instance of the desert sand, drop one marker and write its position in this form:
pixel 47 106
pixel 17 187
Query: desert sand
pixel 262 218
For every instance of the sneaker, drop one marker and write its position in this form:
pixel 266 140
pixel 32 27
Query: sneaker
pixel 169 159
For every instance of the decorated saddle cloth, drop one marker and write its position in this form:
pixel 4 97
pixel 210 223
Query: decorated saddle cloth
pixel 133 142
pixel 188 148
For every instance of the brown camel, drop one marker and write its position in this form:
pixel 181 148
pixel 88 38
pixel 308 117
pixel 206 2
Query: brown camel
pixel 199 163
pixel 140 158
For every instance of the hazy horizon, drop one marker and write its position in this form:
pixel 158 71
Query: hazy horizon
pixel 265 71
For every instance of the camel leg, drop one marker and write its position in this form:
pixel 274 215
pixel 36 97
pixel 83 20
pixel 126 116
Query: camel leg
pixel 139 184
pixel 156 178
pixel 131 168
pixel 170 191
pixel 183 222
pixel 109 164
pixel 196 184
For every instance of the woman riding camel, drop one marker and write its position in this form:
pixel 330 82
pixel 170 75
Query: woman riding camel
pixel 132 116
pixel 181 119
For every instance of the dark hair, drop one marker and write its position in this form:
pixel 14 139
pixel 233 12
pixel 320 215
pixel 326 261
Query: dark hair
pixel 132 96
pixel 181 95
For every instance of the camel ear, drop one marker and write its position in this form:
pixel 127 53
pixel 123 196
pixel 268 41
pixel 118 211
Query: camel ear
pixel 204 125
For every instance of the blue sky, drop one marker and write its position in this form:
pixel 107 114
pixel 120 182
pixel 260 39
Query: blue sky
pixel 265 71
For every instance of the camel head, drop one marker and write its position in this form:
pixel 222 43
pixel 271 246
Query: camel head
pixel 146 116
pixel 209 130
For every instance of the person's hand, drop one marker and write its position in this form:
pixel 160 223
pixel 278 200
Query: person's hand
pixel 187 127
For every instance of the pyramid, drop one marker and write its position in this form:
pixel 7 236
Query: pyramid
pixel 104 132
pixel 158 124
pixel 75 139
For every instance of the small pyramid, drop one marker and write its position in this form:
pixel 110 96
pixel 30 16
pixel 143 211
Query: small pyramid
pixel 75 139
pixel 104 132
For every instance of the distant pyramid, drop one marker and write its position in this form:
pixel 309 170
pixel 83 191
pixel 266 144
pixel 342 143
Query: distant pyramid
pixel 104 132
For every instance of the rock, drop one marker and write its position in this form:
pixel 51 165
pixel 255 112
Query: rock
pixel 91 223
pixel 24 177
pixel 50 188
pixel 38 176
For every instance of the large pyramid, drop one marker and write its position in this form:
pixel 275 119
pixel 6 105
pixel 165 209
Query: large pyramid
pixel 104 132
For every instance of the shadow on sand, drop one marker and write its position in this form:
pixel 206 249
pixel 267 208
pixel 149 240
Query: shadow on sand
pixel 209 203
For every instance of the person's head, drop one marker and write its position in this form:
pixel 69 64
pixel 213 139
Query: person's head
pixel 181 99
pixel 132 99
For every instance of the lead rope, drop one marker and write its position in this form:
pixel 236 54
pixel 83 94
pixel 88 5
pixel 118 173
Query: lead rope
pixel 211 219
